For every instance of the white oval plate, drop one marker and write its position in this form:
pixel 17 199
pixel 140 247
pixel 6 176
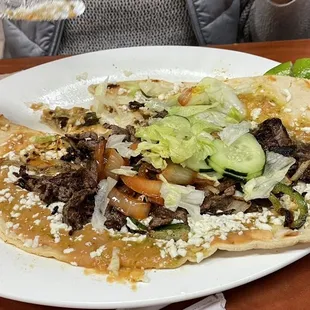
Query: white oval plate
pixel 38 280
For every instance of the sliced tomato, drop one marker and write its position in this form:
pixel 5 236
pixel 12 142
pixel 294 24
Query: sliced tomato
pixel 150 188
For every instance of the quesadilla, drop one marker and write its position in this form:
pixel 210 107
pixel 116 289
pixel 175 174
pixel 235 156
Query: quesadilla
pixel 155 174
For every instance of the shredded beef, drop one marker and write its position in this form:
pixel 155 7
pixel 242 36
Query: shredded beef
pixel 306 176
pixel 257 205
pixel 226 185
pixel 163 216
pixel 273 136
pixel 79 209
pixel 86 141
pixel 60 187
pixel 147 170
pixel 302 152
pixel 129 131
pixel 90 119
pixel 218 205
pixel 116 130
pixel 135 105
pixel 82 147
pixel 114 219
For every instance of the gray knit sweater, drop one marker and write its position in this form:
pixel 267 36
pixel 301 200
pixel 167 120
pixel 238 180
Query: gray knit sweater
pixel 123 23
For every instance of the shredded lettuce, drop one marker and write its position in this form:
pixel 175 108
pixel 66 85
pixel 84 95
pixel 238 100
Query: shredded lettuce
pixel 172 138
pixel 275 170
pixel 223 94
pixel 210 121
pixel 186 197
pixel 116 142
pixel 188 111
pixel 233 132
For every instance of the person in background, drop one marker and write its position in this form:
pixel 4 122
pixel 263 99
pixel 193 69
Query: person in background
pixel 109 24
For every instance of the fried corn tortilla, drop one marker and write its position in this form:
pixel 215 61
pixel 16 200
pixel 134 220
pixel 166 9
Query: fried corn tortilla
pixel 38 227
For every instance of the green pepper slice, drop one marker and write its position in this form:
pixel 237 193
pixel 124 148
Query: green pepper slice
pixel 301 68
pixel 171 231
pixel 281 69
pixel 296 198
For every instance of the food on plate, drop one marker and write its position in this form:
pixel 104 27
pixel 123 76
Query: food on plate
pixel 155 174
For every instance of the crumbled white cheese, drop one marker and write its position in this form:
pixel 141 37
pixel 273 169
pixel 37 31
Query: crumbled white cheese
pixel 56 223
pixel 287 110
pixel 11 178
pixel 11 156
pixel 68 250
pixel 15 226
pixel 262 226
pixel 256 113
pixel 14 214
pixel 4 191
pixel 88 243
pixel 29 243
pixel 254 125
pixel 37 222
pixel 50 155
pixel 134 238
pixel 79 238
pixel 175 221
pixel 31 199
pixel 305 129
pixel 98 252
pixel 73 263
pixel 287 94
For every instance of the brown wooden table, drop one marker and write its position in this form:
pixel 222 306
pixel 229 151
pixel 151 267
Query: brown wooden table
pixel 288 288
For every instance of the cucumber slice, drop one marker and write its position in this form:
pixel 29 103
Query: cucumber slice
pixel 242 159
pixel 237 176
pixel 198 165
pixel 229 174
